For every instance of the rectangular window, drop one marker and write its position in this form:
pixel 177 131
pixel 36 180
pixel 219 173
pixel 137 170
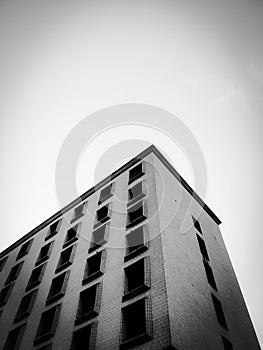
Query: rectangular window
pixel 227 344
pixel 72 235
pixel 66 258
pixel 219 311
pixel 3 262
pixel 209 274
pixel 14 273
pixel 202 247
pixel 89 303
pixel 99 237
pixel 94 266
pixel 36 276
pixel 105 194
pixel 58 287
pixel 45 253
pixel 137 278
pixel 79 211
pixel 135 193
pixel 85 337
pixel 136 323
pixel 197 225
pixel 136 242
pixel 24 249
pixel 47 325
pixel 135 214
pixel 14 338
pixel 5 293
pixel 26 305
pixel 136 172
pixel 53 229
pixel 102 215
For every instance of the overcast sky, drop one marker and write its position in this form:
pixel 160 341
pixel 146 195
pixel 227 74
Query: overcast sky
pixel 200 60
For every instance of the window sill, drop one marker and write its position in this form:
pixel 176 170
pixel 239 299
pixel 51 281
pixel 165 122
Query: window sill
pixel 55 297
pixel 68 243
pixel 21 316
pixel 135 252
pixel 142 338
pixel 136 222
pixel 43 338
pixel 102 221
pixel 76 218
pixel 134 292
pixel 135 199
pixel 104 199
pixel 50 235
pixel 135 177
pixel 92 277
pixel 95 246
pixel 86 317
pixel 62 267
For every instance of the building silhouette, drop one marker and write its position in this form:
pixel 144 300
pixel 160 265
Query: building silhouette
pixel 136 262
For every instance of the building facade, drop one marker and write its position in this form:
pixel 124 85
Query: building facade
pixel 136 262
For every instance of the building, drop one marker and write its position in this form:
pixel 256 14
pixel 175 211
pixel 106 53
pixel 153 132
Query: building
pixel 136 262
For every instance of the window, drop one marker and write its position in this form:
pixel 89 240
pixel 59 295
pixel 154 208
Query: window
pixel 209 274
pixel 136 242
pixel 202 247
pixel 135 214
pixel 79 212
pixel 14 338
pixel 89 303
pixel 99 237
pixel 94 266
pixel 26 305
pixel 24 249
pixel 58 287
pixel 197 225
pixel 227 344
pixel 105 194
pixel 135 173
pixel 36 277
pixel 2 262
pixel 102 215
pixel 45 252
pixel 136 323
pixel 47 325
pixel 66 258
pixel 72 235
pixel 53 229
pixel 14 273
pixel 137 278
pixel 5 293
pixel 135 193
pixel 219 311
pixel 85 337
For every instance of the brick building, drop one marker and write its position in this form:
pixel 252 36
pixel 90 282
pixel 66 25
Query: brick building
pixel 136 262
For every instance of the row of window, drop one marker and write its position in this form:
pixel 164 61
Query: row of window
pixel 211 280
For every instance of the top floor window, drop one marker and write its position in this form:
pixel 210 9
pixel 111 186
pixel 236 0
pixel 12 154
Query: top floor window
pixel 105 193
pixel 53 229
pixel 197 225
pixel 79 211
pixel 24 249
pixel 3 262
pixel 136 172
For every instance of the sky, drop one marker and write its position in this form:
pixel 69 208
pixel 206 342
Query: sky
pixel 201 61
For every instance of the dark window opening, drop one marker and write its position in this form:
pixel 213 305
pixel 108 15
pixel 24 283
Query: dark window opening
pixel 135 324
pixel 209 274
pixel 5 293
pixel 88 304
pixel 36 277
pixel 24 249
pixel 44 253
pixel 219 311
pixel 14 338
pixel 135 214
pixel 105 194
pixel 135 193
pixel 93 267
pixel 135 173
pixel 98 238
pixel 197 225
pixel 71 235
pixel 102 215
pixel 202 247
pixel 136 278
pixel 46 347
pixel 135 242
pixel 14 273
pixel 66 258
pixel 79 211
pixel 227 344
pixel 53 230
pixel 26 305
pixel 58 287
pixel 47 324
pixel 3 262
pixel 81 338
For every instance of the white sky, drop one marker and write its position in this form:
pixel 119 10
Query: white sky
pixel 200 60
